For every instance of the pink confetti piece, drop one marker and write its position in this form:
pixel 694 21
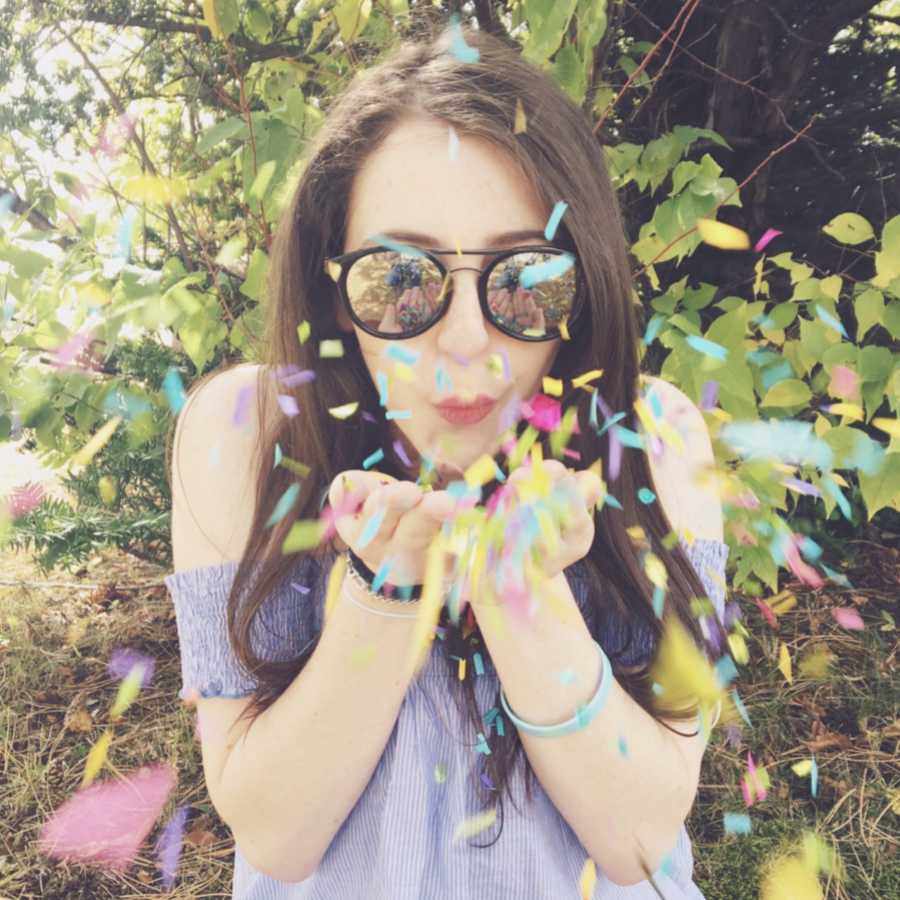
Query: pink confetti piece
pixel 806 573
pixel 766 610
pixel 844 383
pixel 106 822
pixel 849 618
pixel 768 235
pixel 23 499
pixel 544 413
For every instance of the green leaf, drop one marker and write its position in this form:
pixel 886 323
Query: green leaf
pixel 892 319
pixel 256 274
pixel 259 22
pixel 219 132
pixel 682 174
pixel 569 71
pixel 548 21
pixel 849 228
pixel 789 392
pixel 887 260
pixel 352 16
pixel 883 488
pixel 869 308
pixel 27 263
pixel 228 16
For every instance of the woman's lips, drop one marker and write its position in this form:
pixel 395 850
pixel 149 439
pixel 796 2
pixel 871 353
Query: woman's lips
pixel 466 415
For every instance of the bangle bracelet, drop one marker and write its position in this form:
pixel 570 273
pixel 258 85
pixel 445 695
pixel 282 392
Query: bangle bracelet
pixel 583 715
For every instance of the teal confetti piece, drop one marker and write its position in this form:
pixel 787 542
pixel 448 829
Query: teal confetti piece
pixel 833 489
pixel 553 222
pixel 278 454
pixel 482 745
pixel 382 381
pixel 442 380
pixel 459 48
pixel 479 665
pixel 659 596
pixel 537 273
pixel 736 823
pixel 284 504
pixel 174 390
pixel 739 705
pixel 623 746
pixel 666 867
pixel 567 676
pixel 837 577
pixel 500 726
pixel 370 529
pixel 814 778
pixel 398 414
pixel 396 246
pixel 453 144
pixel 726 671
pixel 707 348
pixel 382 574
pixel 653 327
pixel 646 496
pixel 611 501
pixel 628 437
pixel 373 458
pixel 656 406
pixel 830 320
pixel 593 414
pixel 656 688
pixel 401 354
pixel 490 715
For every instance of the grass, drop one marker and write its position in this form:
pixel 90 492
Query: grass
pixel 847 716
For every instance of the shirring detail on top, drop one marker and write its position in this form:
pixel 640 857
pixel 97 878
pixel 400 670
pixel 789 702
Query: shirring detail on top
pixel 290 619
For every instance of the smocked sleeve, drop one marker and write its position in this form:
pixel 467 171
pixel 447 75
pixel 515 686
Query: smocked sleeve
pixel 288 621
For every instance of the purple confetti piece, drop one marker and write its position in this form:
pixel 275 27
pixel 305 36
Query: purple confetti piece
pixel 168 847
pixel 303 376
pixel 615 455
pixel 300 587
pixel 486 781
pixel 123 660
pixel 710 395
pixel 369 417
pixel 288 404
pixel 398 449
pixel 241 413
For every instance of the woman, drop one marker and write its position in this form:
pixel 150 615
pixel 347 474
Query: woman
pixel 345 764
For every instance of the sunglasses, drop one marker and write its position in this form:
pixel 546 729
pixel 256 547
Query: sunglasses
pixel 529 293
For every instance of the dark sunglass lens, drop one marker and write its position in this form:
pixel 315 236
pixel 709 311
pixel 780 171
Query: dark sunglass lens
pixel 395 293
pixel 532 293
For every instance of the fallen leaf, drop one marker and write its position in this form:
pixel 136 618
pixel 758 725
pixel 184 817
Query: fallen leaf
pixel 828 740
pixel 78 718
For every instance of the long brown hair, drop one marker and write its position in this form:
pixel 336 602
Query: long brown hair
pixel 563 159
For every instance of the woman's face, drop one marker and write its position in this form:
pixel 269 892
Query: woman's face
pixel 412 184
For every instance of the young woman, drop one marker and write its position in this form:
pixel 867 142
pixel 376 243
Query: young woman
pixel 344 768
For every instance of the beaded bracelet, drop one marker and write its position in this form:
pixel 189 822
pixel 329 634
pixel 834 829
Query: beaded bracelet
pixel 583 714
pixel 365 577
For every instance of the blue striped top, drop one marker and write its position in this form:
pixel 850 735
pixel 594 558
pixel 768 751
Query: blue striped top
pixel 397 842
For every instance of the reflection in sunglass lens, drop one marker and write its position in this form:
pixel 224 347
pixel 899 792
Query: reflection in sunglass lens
pixel 529 293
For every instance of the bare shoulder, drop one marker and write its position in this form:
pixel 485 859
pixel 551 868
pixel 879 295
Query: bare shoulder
pixel 215 445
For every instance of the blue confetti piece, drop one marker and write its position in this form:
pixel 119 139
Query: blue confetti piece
pixel 726 671
pixel 707 348
pixel 666 867
pixel 653 328
pixel 479 665
pixel 373 458
pixel 830 320
pixel 837 577
pixel 382 573
pixel 396 246
pixel 442 380
pixel 646 496
pixel 659 597
pixel 382 382
pixel 174 390
pixel 739 705
pixel 656 406
pixel 538 273
pixel 776 373
pixel 623 746
pixel 398 414
pixel 370 529
pixel 500 727
pixel 786 440
pixel 482 746
pixel 401 354
pixel 459 48
pixel 553 222
pixel 284 504
pixel 736 823
pixel 814 778
pixel 629 438
pixel 490 715
pixel 123 233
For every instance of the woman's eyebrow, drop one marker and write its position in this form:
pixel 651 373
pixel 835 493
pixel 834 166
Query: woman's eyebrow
pixel 419 239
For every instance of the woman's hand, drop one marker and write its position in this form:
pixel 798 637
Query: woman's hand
pixel 411 520
pixel 565 500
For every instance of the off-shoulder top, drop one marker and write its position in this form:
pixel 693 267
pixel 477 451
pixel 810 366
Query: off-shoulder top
pixel 397 841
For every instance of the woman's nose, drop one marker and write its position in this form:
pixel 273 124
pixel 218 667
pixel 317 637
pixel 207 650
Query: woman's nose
pixel 463 329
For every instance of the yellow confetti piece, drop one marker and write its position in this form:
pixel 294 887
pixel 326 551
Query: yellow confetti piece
pixel 402 371
pixel 552 386
pixel 304 330
pixel 76 631
pixel 683 671
pixel 462 670
pixel 637 534
pixel 332 348
pixel 888 426
pixel 96 758
pixel 782 603
pixel 304 535
pixel 475 824
pixel 564 329
pixel 583 380
pixel 128 691
pixel 84 456
pixel 846 409
pixel 784 664
pixel 335 580
pixel 816 662
pixel 802 768
pixel 481 471
pixel 588 880
pixel 655 569
pixel 440 773
pixel 791 878
pixel 363 657
pixel 670 437
pixel 333 269
pixel 521 123
pixel 738 647
pixel 345 410
pixel 106 487
pixel 722 235
pixel 430 604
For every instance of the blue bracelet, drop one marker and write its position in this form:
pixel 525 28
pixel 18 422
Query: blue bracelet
pixel 583 715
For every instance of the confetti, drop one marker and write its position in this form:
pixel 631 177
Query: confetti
pixel 784 664
pixel 304 330
pixel 521 123
pixel 791 878
pixel 707 348
pixel 722 235
pixel 284 505
pixel 128 690
pixel 331 348
pixel 768 235
pixel 587 881
pixel 452 144
pixel 459 48
pixel 168 846
pixel 95 758
pixel 344 411
pixel 475 825
pixel 848 618
pixel 123 660
pixel 736 823
pixel 553 222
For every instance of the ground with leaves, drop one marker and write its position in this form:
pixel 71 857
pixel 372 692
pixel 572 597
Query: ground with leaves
pixel 56 640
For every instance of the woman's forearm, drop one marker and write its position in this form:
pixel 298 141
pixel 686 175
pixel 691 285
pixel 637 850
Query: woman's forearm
pixel 288 785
